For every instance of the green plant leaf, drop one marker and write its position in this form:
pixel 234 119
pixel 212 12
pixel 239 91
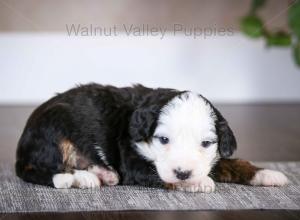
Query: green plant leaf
pixel 296 51
pixel 294 18
pixel 252 26
pixel 282 39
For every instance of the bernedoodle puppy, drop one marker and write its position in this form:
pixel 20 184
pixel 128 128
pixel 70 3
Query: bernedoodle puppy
pixel 96 135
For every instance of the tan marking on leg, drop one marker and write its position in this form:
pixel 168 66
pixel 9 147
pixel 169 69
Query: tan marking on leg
pixel 28 167
pixel 72 159
pixel 68 153
pixel 171 186
pixel 234 171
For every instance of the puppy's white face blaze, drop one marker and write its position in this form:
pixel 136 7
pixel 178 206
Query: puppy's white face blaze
pixel 186 125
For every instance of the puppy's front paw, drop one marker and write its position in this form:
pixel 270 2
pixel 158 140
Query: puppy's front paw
pixel 205 185
pixel 84 179
pixel 267 177
pixel 63 180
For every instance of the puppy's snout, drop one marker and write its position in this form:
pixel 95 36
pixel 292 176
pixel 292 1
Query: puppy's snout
pixel 182 175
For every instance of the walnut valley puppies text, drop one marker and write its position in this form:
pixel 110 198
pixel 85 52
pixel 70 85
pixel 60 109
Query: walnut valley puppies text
pixel 145 30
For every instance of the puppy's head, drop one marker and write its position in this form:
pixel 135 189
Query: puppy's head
pixel 183 138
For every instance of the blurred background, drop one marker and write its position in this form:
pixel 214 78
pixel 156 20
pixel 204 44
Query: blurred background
pixel 240 54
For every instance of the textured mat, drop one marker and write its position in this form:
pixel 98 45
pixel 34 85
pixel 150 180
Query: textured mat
pixel 18 196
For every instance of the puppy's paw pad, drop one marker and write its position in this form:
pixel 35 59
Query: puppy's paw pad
pixel 267 177
pixel 84 179
pixel 63 180
pixel 206 185
pixel 108 177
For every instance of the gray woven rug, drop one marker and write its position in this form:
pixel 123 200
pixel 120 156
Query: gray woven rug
pixel 18 196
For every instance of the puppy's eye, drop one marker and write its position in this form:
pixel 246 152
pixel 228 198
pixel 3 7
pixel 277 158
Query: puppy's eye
pixel 163 140
pixel 206 144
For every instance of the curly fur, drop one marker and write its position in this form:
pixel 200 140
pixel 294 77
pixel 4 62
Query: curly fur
pixel 95 125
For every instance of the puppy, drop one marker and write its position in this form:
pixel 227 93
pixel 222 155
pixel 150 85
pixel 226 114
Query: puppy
pixel 96 135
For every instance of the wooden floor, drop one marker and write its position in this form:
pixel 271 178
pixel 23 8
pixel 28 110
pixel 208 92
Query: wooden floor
pixel 264 133
pixel 159 215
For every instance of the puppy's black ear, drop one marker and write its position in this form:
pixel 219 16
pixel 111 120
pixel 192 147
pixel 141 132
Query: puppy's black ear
pixel 143 123
pixel 227 142
pixel 226 139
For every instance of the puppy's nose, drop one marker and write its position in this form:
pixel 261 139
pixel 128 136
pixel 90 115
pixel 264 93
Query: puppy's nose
pixel 182 175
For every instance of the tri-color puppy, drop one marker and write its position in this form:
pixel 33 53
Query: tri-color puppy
pixel 96 135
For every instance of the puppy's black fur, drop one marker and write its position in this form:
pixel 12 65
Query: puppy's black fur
pixel 109 117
